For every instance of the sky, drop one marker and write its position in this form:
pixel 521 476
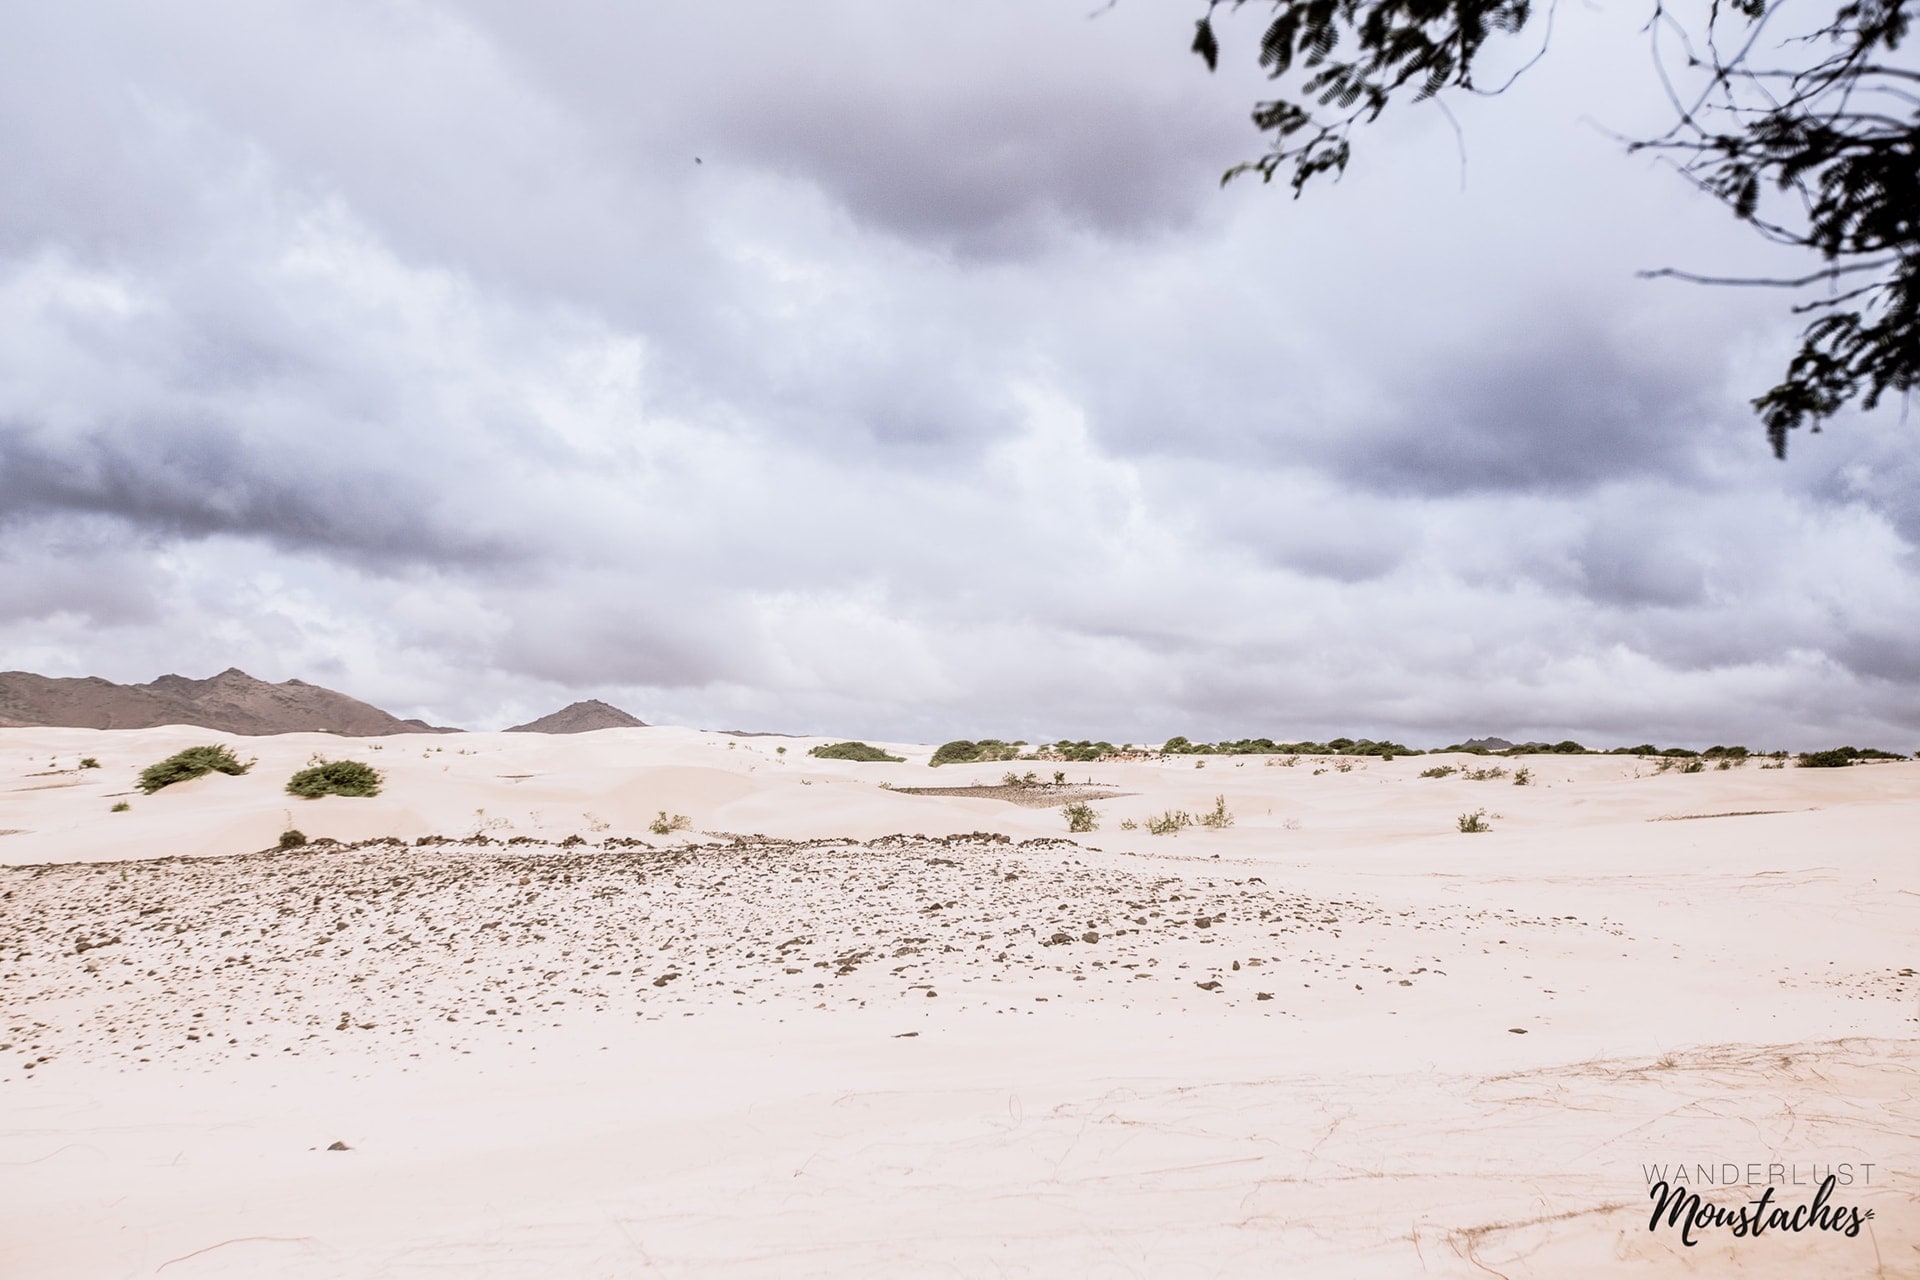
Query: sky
pixel 904 371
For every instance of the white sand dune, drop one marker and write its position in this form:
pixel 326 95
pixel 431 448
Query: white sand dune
pixel 833 1029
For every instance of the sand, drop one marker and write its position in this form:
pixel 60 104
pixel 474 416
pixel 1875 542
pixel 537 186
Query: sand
pixel 834 1028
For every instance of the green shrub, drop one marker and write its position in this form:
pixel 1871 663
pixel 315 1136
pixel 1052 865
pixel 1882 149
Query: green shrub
pixel 1180 746
pixel 1027 779
pixel 1081 817
pixel 1840 757
pixel 1219 817
pixel 292 838
pixel 335 778
pixel 1438 771
pixel 1484 775
pixel 194 762
pixel 1081 752
pixel 88 762
pixel 1522 777
pixel 964 752
pixel 665 826
pixel 1694 766
pixel 853 751
pixel 1837 758
pixel 1474 822
pixel 1169 823
pixel 120 807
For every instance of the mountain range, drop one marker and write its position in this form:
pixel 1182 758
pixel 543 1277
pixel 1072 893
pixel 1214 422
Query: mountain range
pixel 232 702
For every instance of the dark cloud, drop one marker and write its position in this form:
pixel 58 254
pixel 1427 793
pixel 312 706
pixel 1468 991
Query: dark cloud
pixel 192 482
pixel 1557 404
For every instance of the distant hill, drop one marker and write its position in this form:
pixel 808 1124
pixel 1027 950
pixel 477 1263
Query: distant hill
pixel 232 702
pixel 581 717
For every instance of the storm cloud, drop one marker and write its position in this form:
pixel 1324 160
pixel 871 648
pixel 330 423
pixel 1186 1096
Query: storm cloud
pixel 900 371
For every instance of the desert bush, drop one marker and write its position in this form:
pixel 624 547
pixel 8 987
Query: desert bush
pixel 989 750
pixel 120 807
pixel 194 762
pixel 1059 777
pixel 853 751
pixel 292 838
pixel 1474 822
pixel 1484 775
pixel 1219 817
pixel 1012 779
pixel 1169 823
pixel 665 826
pixel 335 778
pixel 1438 771
pixel 1694 766
pixel 1080 752
pixel 1081 817
pixel 1522 777
pixel 1180 746
pixel 88 762
pixel 1128 824
pixel 1840 757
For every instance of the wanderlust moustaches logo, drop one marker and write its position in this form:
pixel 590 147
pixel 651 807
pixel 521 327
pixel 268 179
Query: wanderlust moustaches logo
pixel 1679 1202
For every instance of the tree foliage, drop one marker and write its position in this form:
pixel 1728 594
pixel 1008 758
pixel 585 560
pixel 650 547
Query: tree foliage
pixel 1809 135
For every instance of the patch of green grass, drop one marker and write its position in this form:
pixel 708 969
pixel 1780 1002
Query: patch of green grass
pixel 1081 817
pixel 853 751
pixel 88 762
pixel 1438 771
pixel 1484 775
pixel 1522 777
pixel 335 778
pixel 1218 817
pixel 1475 822
pixel 665 826
pixel 194 762
pixel 120 807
